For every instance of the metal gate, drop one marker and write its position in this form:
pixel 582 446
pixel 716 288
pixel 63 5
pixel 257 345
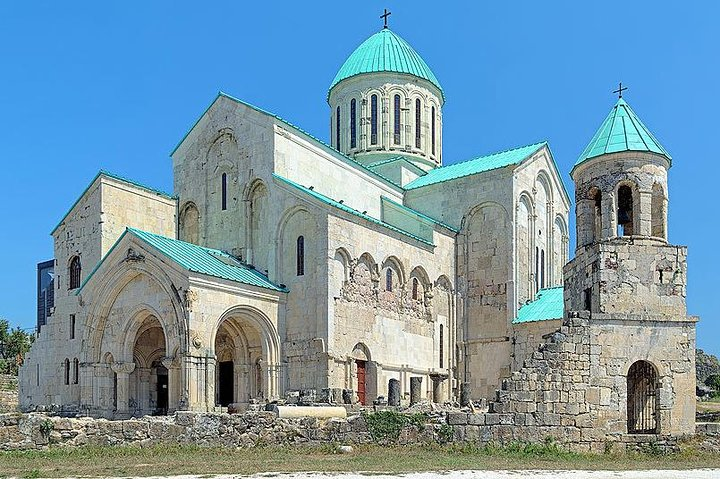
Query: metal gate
pixel 641 399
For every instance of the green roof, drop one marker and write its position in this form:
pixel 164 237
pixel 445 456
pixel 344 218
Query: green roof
pixel 385 51
pixel 341 206
pixel 476 165
pixel 622 130
pixel 198 259
pixel 119 178
pixel 548 304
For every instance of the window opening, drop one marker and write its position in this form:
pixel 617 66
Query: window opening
pixel 625 211
pixel 300 253
pixel 353 124
pixel 373 120
pixel 417 123
pixel 337 128
pixel 432 131
pixel 74 274
pixel 224 191
pixel 388 279
pixel 396 122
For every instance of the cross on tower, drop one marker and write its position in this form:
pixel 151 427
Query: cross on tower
pixel 385 16
pixel 620 90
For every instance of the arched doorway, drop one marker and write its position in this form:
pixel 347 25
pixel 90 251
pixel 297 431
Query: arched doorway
pixel 365 374
pixel 642 398
pixel 239 355
pixel 149 380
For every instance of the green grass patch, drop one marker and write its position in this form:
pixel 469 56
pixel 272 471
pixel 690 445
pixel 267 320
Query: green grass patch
pixel 123 461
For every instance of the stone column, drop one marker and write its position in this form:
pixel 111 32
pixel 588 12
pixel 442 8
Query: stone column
pixel 415 389
pixel 209 382
pixel 393 392
pixel 644 211
pixel 173 367
pixel 143 390
pixel 123 371
pixel 609 215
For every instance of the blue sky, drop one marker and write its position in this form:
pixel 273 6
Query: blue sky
pixel 115 85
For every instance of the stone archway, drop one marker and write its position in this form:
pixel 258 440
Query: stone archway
pixel 642 380
pixel 149 385
pixel 245 354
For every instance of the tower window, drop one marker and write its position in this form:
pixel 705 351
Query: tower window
pixel 74 272
pixel 432 131
pixel 66 365
pixel 373 120
pixel 396 122
pixel 417 123
pixel 388 280
pixel 72 326
pixel 415 284
pixel 587 297
pixel 625 211
pixel 353 124
pixel 542 268
pixel 537 268
pixel 76 370
pixel 300 255
pixel 224 191
pixel 337 128
pixel 596 198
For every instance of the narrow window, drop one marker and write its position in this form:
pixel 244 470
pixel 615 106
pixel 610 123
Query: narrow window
pixel 300 253
pixel 432 131
pixel 224 191
pixel 373 119
pixel 337 128
pixel 388 280
pixel 76 370
pixel 74 273
pixel 542 269
pixel 415 288
pixel 588 299
pixel 72 326
pixel 442 346
pixel 417 123
pixel 353 124
pixel 537 268
pixel 597 227
pixel 396 122
pixel 37 374
pixel 67 371
pixel 625 211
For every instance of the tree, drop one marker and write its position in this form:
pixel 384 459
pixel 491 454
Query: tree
pixel 713 381
pixel 14 343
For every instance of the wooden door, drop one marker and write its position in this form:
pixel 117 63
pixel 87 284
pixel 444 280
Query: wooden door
pixel 360 380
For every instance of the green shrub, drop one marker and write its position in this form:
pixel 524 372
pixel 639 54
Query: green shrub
pixel 385 426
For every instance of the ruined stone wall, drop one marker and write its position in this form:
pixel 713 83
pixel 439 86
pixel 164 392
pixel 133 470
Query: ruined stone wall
pixel 642 277
pixel 400 335
pixel 527 338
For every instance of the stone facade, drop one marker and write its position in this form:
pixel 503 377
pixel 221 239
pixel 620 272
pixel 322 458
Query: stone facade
pixel 347 278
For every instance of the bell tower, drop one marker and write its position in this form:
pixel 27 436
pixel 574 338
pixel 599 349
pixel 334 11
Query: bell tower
pixel 629 283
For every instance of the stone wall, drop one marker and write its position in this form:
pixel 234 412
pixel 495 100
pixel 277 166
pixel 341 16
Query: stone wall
pixel 8 393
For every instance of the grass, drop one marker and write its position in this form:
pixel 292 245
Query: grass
pixel 711 405
pixel 165 460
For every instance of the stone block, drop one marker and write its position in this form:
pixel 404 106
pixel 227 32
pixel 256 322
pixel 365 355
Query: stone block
pixel 457 418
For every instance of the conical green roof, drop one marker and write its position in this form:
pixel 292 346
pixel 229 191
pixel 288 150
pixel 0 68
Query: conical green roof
pixel 622 130
pixel 385 51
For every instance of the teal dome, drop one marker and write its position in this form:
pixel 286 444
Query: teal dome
pixel 385 51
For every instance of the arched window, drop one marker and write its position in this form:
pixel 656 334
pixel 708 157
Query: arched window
pixel 224 191
pixel 190 224
pixel 658 212
pixel 74 272
pixel 542 268
pixel 337 128
pixel 76 370
pixel 596 198
pixel 353 124
pixel 388 279
pixel 641 398
pixel 66 364
pixel 432 130
pixel 625 211
pixel 415 284
pixel 373 120
pixel 417 123
pixel 396 122
pixel 537 269
pixel 300 255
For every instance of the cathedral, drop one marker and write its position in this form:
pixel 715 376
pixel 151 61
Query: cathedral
pixel 282 266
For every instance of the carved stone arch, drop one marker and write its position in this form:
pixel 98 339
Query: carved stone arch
pixel 282 249
pixel 361 352
pixel 543 179
pixel 471 212
pixel 133 328
pixel 421 274
pixel 443 282
pixel 618 207
pixel 397 265
pixel 368 261
pixel 344 256
pixel 189 223
pixel 111 286
pixel 224 135
pixel 270 339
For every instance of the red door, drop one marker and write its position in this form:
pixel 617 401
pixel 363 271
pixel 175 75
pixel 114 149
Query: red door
pixel 361 380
